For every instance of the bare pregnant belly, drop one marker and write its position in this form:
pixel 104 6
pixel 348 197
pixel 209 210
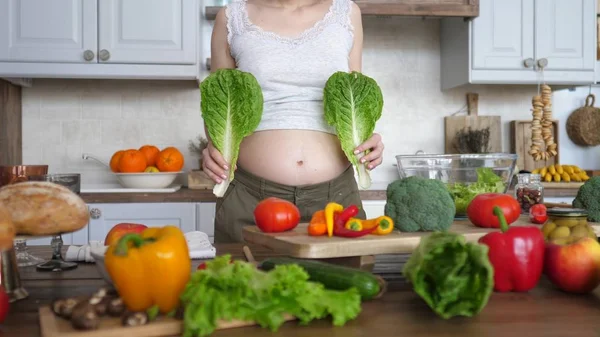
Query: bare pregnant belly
pixel 293 157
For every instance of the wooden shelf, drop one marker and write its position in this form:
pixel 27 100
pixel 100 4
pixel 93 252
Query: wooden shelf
pixel 420 8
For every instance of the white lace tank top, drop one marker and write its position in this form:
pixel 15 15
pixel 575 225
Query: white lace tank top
pixel 292 71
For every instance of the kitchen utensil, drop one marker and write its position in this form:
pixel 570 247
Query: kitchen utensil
pixel 198 180
pixel 520 143
pixel 151 180
pixel 583 125
pixel 71 181
pixel 454 124
pixel 297 243
pixel 9 276
pixel 14 174
pixel 53 326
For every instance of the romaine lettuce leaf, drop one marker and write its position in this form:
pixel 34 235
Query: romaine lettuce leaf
pixel 353 103
pixel 232 105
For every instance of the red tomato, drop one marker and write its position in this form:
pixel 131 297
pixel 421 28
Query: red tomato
pixel 274 215
pixel 480 210
pixel 537 214
pixel 4 304
pixel 202 265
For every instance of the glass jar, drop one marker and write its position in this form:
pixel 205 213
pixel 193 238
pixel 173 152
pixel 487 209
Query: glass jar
pixel 566 225
pixel 529 191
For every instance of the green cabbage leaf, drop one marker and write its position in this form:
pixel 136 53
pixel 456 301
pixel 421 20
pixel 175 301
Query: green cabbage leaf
pixel 353 103
pixel 232 105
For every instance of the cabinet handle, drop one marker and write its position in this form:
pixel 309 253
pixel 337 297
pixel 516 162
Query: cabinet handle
pixel 542 63
pixel 528 63
pixel 88 55
pixel 104 55
pixel 95 213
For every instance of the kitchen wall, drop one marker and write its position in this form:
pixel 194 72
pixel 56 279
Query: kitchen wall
pixel 63 118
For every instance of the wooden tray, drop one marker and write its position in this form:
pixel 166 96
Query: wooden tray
pixel 571 185
pixel 297 243
pixel 54 326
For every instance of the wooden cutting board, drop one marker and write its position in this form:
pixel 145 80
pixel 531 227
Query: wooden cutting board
pixel 520 142
pixel 453 124
pixel 53 326
pixel 571 184
pixel 297 243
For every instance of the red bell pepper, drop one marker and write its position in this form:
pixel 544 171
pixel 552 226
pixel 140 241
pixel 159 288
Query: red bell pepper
pixel 480 210
pixel 339 225
pixel 517 254
pixel 537 214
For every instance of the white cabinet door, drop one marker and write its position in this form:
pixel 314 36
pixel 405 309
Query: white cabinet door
pixel 503 35
pixel 48 31
pixel 566 34
pixel 148 31
pixel 205 215
pixel 105 216
pixel 373 208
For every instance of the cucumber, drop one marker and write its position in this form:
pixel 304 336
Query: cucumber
pixel 333 276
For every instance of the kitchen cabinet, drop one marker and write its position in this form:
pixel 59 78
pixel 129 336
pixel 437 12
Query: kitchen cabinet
pixel 146 39
pixel 512 40
pixel 373 208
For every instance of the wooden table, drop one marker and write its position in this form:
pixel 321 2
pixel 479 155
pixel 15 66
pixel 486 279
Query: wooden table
pixel 543 312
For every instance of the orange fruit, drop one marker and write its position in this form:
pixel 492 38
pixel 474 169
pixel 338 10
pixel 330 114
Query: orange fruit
pixel 169 160
pixel 151 152
pixel 132 161
pixel 114 160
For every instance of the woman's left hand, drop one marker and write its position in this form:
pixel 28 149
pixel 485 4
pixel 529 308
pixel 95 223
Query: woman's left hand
pixel 375 156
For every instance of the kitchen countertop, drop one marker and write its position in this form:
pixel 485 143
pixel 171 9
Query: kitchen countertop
pixel 543 311
pixel 189 195
pixel 183 195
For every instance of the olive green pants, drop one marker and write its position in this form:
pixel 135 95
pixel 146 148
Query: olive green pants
pixel 236 209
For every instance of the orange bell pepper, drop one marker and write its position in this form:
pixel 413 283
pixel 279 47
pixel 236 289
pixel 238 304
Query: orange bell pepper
pixel 318 224
pixel 150 269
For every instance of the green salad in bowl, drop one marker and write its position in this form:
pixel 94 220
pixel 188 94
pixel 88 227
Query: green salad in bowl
pixel 463 193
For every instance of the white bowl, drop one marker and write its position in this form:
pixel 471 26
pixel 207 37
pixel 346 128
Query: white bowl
pixel 98 255
pixel 146 180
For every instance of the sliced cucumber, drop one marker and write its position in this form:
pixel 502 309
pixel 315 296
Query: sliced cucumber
pixel 333 276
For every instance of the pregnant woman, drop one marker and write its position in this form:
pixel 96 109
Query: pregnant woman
pixel 292 47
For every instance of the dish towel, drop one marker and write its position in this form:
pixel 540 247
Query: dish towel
pixel 198 244
pixel 82 253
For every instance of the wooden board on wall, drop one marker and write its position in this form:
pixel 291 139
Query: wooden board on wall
pixel 520 142
pixel 11 147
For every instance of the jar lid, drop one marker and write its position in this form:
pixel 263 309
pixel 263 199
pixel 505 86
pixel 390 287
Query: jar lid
pixel 567 212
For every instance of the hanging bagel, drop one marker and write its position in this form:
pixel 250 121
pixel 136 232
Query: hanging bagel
pixel 543 146
pixel 583 125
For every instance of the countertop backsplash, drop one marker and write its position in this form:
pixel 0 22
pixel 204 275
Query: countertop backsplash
pixel 63 118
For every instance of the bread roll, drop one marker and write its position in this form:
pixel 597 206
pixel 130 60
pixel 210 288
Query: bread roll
pixel 7 230
pixel 43 208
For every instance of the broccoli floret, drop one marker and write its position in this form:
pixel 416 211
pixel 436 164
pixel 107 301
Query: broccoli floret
pixel 588 198
pixel 419 204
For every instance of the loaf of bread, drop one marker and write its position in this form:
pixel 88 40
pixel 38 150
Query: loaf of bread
pixel 7 230
pixel 43 208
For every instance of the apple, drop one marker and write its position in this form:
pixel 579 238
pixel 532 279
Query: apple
pixel 4 304
pixel 573 267
pixel 121 229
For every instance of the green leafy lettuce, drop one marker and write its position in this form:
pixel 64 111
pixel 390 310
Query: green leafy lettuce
pixel 455 278
pixel 240 291
pixel 487 182
pixel 353 104
pixel 232 105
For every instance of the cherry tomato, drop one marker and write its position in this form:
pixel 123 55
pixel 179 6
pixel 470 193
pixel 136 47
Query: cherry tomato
pixel 537 214
pixel 274 215
pixel 202 265
pixel 4 304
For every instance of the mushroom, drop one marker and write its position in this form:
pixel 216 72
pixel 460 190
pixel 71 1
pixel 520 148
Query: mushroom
pixel 64 307
pixel 84 316
pixel 115 307
pixel 135 318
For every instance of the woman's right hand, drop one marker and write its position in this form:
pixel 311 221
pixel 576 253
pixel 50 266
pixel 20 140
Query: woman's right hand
pixel 213 164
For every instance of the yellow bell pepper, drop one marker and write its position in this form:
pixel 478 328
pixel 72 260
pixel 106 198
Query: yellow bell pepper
pixel 385 225
pixel 151 268
pixel 330 211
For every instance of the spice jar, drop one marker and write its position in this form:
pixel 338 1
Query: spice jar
pixel 566 225
pixel 529 191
